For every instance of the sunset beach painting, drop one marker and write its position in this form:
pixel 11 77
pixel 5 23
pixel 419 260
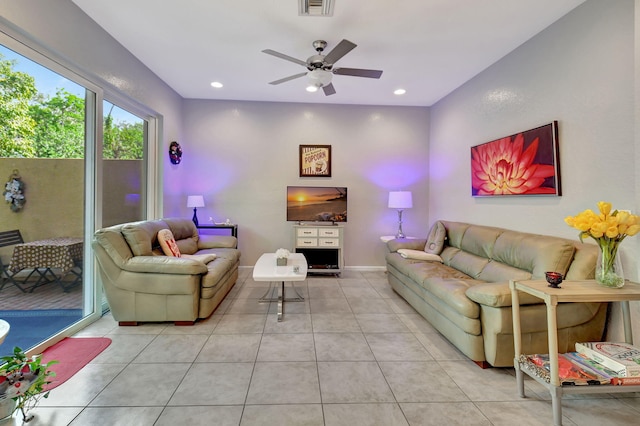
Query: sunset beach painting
pixel 316 204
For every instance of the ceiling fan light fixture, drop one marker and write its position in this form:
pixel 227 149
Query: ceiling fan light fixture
pixel 315 7
pixel 319 78
pixel 399 92
pixel 312 88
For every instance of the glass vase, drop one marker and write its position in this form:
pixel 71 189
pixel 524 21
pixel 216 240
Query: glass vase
pixel 609 268
pixel 7 407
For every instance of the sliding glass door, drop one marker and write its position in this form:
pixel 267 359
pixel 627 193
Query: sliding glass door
pixel 75 173
pixel 123 166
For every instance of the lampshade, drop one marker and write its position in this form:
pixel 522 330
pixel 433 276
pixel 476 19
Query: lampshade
pixel 195 201
pixel 400 200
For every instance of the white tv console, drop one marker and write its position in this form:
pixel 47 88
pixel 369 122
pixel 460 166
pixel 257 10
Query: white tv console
pixel 322 246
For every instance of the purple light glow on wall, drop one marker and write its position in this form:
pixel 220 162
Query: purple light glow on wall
pixel 131 199
pixel 398 174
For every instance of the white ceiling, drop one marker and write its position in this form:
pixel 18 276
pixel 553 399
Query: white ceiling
pixel 428 47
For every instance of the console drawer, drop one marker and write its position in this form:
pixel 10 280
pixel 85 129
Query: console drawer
pixel 330 232
pixel 328 242
pixel 307 232
pixel 307 242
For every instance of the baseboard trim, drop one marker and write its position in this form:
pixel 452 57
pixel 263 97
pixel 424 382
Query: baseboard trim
pixel 366 268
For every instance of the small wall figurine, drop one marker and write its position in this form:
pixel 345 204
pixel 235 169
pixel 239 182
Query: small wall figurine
pixel 175 152
pixel 14 191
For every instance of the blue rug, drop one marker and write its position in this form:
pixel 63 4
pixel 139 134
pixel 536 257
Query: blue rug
pixel 28 328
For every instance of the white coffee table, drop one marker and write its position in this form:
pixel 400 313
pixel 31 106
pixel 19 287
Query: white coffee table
pixel 266 270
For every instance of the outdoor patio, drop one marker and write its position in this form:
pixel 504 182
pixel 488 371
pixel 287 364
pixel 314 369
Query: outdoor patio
pixel 48 296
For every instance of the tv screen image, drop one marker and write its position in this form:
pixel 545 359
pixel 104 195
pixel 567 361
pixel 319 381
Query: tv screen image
pixel 316 204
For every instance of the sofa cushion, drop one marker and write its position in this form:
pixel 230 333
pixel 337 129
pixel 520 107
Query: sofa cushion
pixel 419 255
pixel 168 243
pixel 204 258
pixel 452 292
pixel 499 272
pixel 498 295
pixel 217 241
pixel 142 236
pixel 584 262
pixel 185 233
pixel 420 270
pixel 534 253
pixel 479 240
pixel 436 238
pixel 232 255
pixel 471 264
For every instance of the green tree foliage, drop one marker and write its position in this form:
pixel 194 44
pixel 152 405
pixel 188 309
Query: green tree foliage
pixel 33 125
pixel 59 130
pixel 123 140
pixel 17 90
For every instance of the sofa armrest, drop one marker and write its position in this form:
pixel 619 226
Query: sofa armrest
pixel 498 295
pixel 217 241
pixel 405 243
pixel 165 265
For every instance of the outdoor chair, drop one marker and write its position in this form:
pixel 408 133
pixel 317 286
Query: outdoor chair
pixel 19 279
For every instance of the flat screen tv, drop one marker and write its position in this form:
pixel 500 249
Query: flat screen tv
pixel 316 204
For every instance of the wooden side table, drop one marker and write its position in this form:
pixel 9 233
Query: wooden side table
pixel 570 291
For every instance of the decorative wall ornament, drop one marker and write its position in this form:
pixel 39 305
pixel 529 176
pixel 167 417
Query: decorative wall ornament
pixel 14 191
pixel 315 160
pixel 175 152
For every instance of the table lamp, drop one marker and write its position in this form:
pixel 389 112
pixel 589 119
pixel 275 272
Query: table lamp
pixel 195 201
pixel 400 200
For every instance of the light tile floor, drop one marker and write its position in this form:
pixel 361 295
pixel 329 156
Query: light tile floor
pixel 354 353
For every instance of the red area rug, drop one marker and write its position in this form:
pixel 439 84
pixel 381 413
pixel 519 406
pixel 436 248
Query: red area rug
pixel 72 353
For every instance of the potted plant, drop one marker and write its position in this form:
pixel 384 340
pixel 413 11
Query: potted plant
pixel 22 381
pixel 281 257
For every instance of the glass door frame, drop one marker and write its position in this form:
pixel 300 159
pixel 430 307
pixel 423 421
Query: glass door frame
pixel 21 43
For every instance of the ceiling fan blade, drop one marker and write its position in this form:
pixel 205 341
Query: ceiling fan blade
pixel 329 89
pixel 285 57
pixel 344 47
pixel 358 72
pixel 291 77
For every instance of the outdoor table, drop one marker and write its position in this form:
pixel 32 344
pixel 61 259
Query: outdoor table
pixel 63 253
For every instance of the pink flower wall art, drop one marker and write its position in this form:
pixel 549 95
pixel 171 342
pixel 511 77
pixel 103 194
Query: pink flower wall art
pixel 522 164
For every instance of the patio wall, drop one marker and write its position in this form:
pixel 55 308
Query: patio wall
pixel 54 191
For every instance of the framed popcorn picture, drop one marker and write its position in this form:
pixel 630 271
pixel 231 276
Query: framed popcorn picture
pixel 315 160
pixel 526 163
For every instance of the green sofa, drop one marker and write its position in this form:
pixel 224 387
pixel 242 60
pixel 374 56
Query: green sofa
pixel 466 295
pixel 141 284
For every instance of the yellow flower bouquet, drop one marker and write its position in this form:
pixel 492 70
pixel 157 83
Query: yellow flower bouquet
pixel 608 229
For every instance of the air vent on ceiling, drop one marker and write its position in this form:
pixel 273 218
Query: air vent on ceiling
pixel 315 7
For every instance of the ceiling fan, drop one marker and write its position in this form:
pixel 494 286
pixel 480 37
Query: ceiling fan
pixel 321 66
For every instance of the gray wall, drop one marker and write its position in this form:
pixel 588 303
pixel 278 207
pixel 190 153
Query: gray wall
pixel 70 37
pixel 242 155
pixel 579 71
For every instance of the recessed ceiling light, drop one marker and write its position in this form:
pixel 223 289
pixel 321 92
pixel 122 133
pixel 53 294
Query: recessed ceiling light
pixel 399 92
pixel 216 84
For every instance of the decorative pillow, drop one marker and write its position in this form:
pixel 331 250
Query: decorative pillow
pixel 168 243
pixel 436 238
pixel 419 255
